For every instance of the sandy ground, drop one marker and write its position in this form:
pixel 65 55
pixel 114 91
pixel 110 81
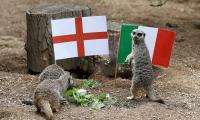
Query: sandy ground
pixel 179 85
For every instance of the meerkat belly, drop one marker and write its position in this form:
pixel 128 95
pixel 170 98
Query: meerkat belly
pixel 142 68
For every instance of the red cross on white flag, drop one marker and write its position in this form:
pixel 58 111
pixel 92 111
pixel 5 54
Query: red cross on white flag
pixel 81 36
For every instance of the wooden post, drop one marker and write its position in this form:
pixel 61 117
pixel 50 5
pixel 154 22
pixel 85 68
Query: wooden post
pixel 39 46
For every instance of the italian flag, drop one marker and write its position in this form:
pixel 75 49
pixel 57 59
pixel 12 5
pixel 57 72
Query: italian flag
pixel 159 43
pixel 79 37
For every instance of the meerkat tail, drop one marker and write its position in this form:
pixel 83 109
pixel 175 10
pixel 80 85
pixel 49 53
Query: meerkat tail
pixel 158 100
pixel 27 102
pixel 45 106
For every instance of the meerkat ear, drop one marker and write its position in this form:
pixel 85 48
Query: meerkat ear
pixel 144 34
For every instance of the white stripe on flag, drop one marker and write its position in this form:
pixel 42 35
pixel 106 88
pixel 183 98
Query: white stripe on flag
pixel 63 27
pixel 65 50
pixel 96 47
pixel 90 24
pixel 150 38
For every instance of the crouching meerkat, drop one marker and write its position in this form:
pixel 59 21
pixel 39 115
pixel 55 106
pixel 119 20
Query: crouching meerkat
pixel 51 72
pixel 141 67
pixel 49 94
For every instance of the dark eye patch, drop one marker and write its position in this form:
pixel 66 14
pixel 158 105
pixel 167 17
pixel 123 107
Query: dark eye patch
pixel 134 33
pixel 139 34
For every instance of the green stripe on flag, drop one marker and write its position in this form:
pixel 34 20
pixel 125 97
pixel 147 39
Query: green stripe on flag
pixel 125 42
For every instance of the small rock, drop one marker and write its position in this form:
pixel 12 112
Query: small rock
pixel 171 25
pixel 180 40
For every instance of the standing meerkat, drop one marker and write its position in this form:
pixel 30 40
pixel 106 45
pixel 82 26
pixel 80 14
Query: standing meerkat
pixel 48 94
pixel 51 72
pixel 141 67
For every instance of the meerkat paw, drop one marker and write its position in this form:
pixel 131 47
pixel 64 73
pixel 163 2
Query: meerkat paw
pixel 55 110
pixel 64 103
pixel 130 97
pixel 128 59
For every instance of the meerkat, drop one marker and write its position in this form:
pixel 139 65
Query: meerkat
pixel 141 67
pixel 48 94
pixel 51 72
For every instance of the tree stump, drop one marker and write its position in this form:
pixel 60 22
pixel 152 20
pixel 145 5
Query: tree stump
pixel 108 63
pixel 39 38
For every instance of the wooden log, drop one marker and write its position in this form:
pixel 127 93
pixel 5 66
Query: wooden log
pixel 39 46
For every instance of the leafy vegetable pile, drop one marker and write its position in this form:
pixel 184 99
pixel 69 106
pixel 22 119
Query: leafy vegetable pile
pixel 80 96
pixel 87 84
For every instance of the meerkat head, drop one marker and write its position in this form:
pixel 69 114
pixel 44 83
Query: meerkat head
pixel 137 36
pixel 66 80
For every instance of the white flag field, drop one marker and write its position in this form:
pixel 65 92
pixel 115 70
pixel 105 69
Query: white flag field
pixel 80 36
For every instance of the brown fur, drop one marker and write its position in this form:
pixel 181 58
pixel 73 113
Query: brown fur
pixel 40 103
pixel 48 94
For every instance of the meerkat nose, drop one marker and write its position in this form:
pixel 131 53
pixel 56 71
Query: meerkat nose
pixel 135 37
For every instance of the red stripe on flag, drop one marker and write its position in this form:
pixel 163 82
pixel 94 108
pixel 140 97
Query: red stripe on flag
pixel 163 48
pixel 64 38
pixel 86 36
pixel 95 35
pixel 79 38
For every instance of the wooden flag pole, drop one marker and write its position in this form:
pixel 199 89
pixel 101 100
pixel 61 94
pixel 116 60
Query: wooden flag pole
pixel 116 67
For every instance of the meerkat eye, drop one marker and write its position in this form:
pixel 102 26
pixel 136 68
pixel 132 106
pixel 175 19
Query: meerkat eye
pixel 139 34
